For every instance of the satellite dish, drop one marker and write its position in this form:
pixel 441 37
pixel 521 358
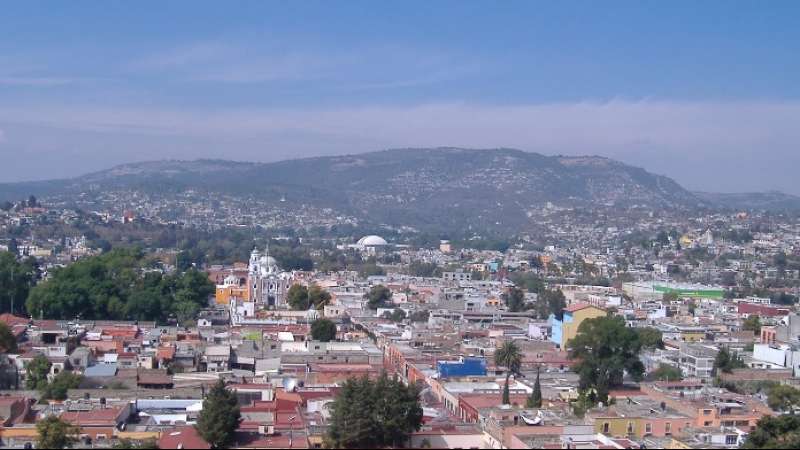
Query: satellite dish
pixel 289 384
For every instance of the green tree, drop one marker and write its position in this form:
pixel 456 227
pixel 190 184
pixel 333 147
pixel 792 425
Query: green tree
pixel 61 384
pixel 36 372
pixel 665 372
pixel 605 350
pixel 118 285
pixel 219 419
pixel 726 362
pixel 369 269
pixel 15 282
pixel 551 302
pixel 183 261
pixel 529 281
pixel 395 316
pixel 378 296
pixel 423 269
pixel 374 414
pixel 323 330
pixel 752 323
pixel 8 342
pixel 186 312
pixel 784 398
pixel 297 297
pixel 650 337
pixel 318 296
pixel 510 357
pixel 778 432
pixel 535 399
pixel 514 299
pixel 52 432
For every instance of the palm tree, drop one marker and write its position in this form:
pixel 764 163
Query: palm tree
pixel 508 356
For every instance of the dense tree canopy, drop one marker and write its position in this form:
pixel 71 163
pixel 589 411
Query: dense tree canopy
pixel 301 298
pixel 551 302
pixel 378 296
pixel 779 432
pixel 784 398
pixel 514 299
pixel 374 414
pixel 606 350
pixel 650 337
pixel 16 279
pixel 528 281
pixel 398 315
pixel 665 372
pixel 323 330
pixel 57 389
pixel 119 285
pixel 725 361
pixel 219 419
pixel 36 373
pixel 370 268
pixel 423 269
pixel 52 432
pixel 752 323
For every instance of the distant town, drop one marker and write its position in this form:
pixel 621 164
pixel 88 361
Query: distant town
pixel 133 329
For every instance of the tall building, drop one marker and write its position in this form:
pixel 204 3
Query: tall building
pixel 268 284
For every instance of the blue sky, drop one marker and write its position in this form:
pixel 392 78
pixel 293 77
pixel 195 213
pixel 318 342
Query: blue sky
pixel 705 92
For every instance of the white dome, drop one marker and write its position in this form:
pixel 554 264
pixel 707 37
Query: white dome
pixel 372 241
pixel 269 261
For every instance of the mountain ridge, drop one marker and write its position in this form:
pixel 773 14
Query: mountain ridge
pixel 418 187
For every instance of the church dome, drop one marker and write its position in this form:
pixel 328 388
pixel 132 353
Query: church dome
pixel 372 241
pixel 270 261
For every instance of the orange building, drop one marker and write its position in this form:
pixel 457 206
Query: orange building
pixel 232 287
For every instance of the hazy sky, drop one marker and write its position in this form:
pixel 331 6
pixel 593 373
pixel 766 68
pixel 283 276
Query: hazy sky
pixel 706 92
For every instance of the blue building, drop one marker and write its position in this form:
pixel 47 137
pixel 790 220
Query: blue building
pixel 462 368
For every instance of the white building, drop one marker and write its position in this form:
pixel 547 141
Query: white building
pixel 268 284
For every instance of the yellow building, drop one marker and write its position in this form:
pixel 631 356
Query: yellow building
pixel 232 287
pixel 566 329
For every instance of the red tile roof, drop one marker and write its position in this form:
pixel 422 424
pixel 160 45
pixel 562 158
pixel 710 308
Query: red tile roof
pixel 182 437
pixel 97 417
pixel 11 320
pixel 165 353
pixel 579 306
